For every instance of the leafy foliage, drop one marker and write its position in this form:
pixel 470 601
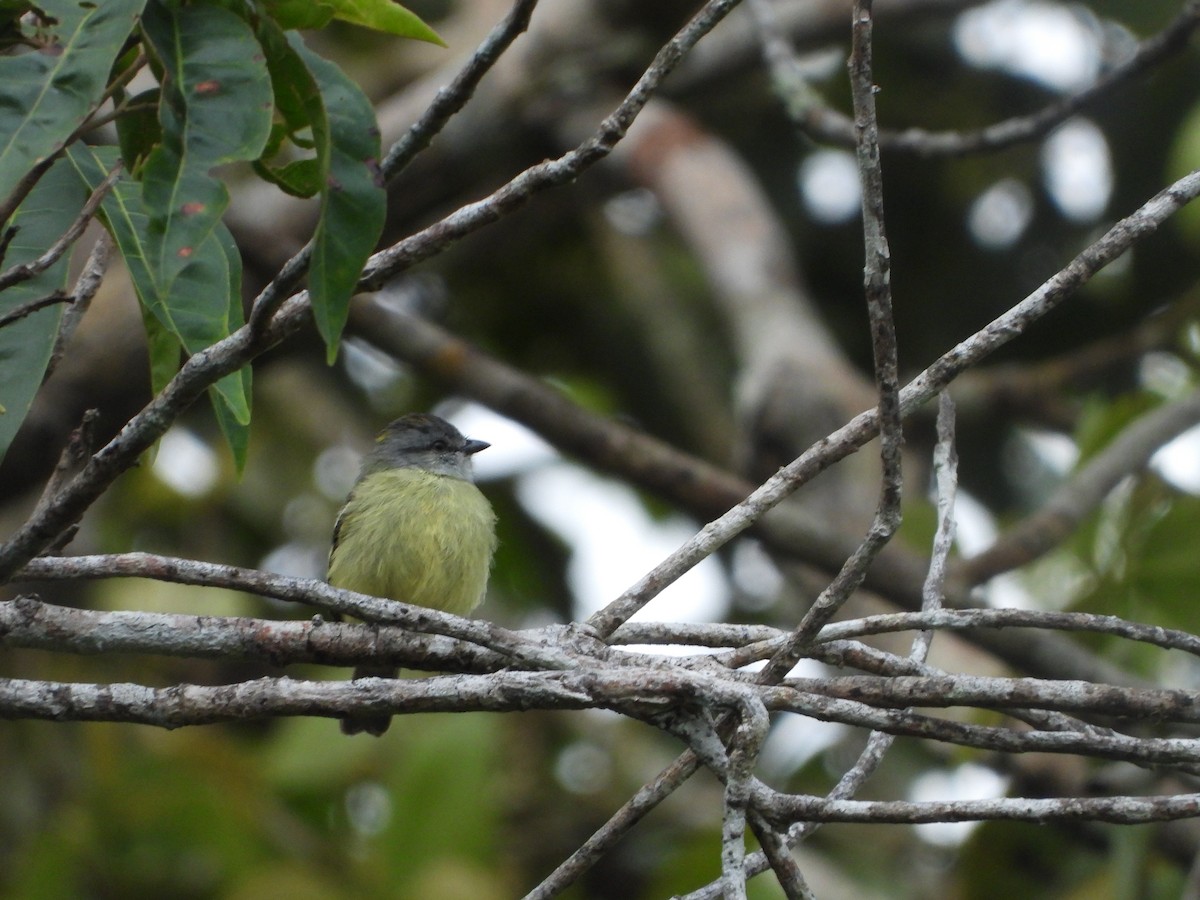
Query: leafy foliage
pixel 46 97
pixel 25 345
pixel 233 88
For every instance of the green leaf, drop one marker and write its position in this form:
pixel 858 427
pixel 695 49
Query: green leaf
pixel 201 304
pixel 293 14
pixel 301 178
pixel 215 109
pixel 301 110
pixel 164 351
pixel 44 97
pixel 1163 575
pixel 353 201
pixel 231 395
pixel 26 344
pixel 138 131
pixel 1185 158
pixel 386 16
pixel 1103 420
pixel 313 96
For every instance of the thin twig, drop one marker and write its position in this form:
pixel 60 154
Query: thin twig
pixel 454 96
pixel 744 745
pixel 86 287
pixel 28 309
pixel 944 691
pixel 619 824
pixel 945 467
pixel 966 619
pixel 1035 389
pixel 877 288
pixel 824 124
pixel 35 173
pixel 30 623
pixel 901 722
pixel 776 854
pixel 853 655
pixel 80 444
pixel 95 119
pixel 878 743
pixel 25 271
pixel 877 284
pixel 1057 518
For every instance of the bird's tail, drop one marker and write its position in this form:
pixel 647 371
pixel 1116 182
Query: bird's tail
pixel 375 725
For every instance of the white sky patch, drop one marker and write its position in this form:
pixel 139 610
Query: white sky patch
pixel 1045 42
pixel 185 463
pixel 1000 215
pixel 1055 451
pixel 1191 335
pixel 614 542
pixel 1077 170
pixel 1007 591
pixel 1035 462
pixel 1179 461
pixel 975 527
pixel 967 782
pixel 829 186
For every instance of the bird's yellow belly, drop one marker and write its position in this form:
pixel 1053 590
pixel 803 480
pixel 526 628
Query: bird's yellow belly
pixel 417 537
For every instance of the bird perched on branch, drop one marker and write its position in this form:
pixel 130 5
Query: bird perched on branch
pixel 415 528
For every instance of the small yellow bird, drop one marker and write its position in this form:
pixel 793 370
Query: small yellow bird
pixel 415 528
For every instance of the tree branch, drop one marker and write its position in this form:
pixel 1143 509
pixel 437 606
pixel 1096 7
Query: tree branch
pixel 24 271
pixel 28 622
pixel 1116 810
pixel 298 590
pixel 827 125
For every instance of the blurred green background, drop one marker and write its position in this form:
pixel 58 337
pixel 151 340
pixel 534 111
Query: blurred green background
pixel 484 806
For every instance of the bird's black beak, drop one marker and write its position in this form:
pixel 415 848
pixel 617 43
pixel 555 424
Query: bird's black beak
pixel 471 447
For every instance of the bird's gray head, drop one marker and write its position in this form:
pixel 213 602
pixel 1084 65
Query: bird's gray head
pixel 422 441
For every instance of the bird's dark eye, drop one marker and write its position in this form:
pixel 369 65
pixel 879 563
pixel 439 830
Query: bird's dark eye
pixel 440 445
